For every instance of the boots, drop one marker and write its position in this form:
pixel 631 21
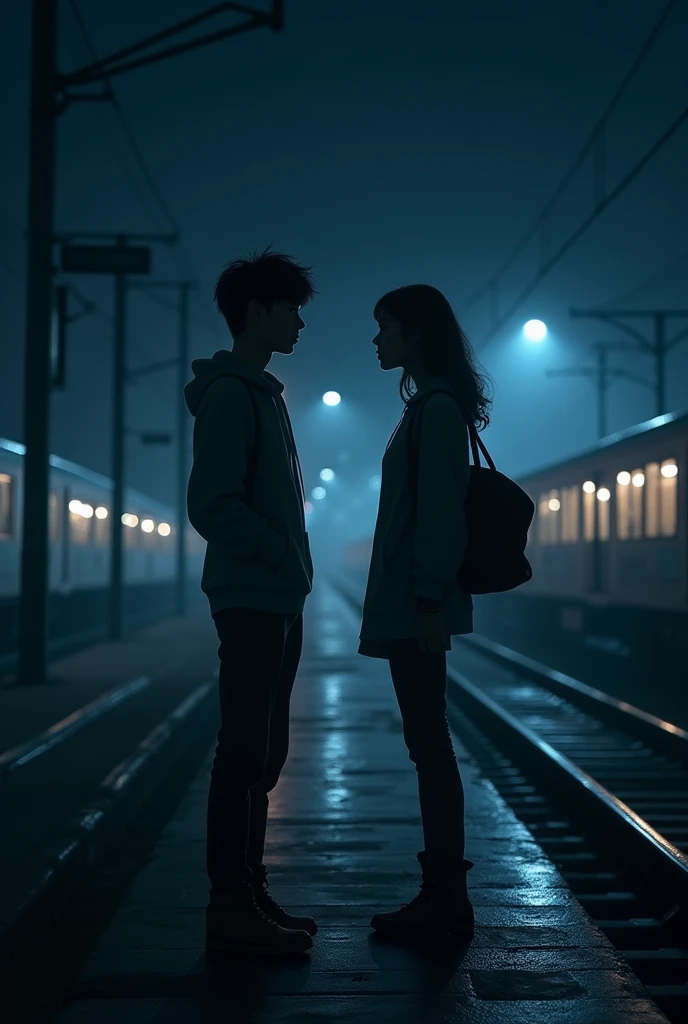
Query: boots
pixel 270 907
pixel 441 908
pixel 236 924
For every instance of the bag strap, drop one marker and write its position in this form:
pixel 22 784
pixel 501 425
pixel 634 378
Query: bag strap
pixel 477 447
pixel 413 450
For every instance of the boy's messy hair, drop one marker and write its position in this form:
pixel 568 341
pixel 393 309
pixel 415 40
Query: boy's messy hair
pixel 267 277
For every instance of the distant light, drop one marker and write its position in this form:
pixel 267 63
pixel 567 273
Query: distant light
pixel 307 508
pixel 623 478
pixel 75 506
pixel 669 469
pixel 327 475
pixel 374 482
pixel 318 493
pixel 589 487
pixel 554 504
pixel 603 494
pixel 535 330
pixel 101 512
pixel 331 398
pixel 129 520
pixel 164 529
pixel 87 511
pixel 638 479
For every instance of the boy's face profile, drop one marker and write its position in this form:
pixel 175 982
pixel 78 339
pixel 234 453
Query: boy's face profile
pixel 277 328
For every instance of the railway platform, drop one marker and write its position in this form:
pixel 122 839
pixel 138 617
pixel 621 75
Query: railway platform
pixel 343 833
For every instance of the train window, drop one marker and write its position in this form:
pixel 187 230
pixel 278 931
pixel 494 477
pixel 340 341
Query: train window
pixel 80 521
pixel 54 517
pixel 6 505
pixel 101 526
pixel 549 516
pixel 623 504
pixel 543 523
pixel 569 515
pixel 603 503
pixel 669 497
pixel 629 504
pixel 652 489
pixel 589 511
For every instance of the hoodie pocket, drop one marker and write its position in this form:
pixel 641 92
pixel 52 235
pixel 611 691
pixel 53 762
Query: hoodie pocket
pixel 293 571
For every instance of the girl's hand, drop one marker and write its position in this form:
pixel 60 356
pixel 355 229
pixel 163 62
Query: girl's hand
pixel 431 632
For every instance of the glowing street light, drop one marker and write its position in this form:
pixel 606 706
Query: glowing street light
pixel 535 330
pixel 318 493
pixel 331 398
pixel 326 475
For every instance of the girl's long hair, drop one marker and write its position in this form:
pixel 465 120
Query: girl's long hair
pixel 443 348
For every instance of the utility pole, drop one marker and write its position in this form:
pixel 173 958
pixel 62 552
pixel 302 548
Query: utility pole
pixel 658 347
pixel 182 429
pixel 119 370
pixel 602 374
pixel 33 617
pixel 51 94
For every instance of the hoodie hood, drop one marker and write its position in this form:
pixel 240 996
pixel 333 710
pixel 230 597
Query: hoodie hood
pixel 225 364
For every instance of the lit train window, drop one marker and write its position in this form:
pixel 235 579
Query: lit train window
pixel 589 510
pixel 669 497
pixel 543 519
pixel 80 521
pixel 623 504
pixel 653 499
pixel 569 515
pixel 603 503
pixel 101 526
pixel 549 518
pixel 6 505
pixel 54 517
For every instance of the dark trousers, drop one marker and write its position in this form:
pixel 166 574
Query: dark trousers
pixel 259 656
pixel 420 683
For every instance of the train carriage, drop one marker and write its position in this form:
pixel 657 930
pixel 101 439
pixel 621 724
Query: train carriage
pixel 79 526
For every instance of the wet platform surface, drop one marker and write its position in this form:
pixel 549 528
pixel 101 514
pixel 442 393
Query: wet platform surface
pixel 342 838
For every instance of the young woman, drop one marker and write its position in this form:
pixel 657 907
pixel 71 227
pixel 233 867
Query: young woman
pixel 413 603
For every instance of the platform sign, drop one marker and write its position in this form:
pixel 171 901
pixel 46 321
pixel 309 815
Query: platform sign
pixel 106 259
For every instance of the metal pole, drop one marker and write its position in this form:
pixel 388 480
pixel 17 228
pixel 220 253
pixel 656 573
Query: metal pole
pixel 33 602
pixel 182 429
pixel 660 354
pixel 118 440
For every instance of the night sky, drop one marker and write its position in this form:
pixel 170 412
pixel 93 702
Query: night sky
pixel 382 143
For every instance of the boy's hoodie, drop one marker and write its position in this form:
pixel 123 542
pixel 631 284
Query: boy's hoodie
pixel 258 554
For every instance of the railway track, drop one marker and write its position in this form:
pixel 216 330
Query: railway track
pixel 603 788
pixel 72 796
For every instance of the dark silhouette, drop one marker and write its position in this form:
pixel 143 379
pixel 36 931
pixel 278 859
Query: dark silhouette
pixel 414 603
pixel 246 500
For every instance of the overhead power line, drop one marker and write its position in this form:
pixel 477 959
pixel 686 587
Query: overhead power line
pixel 188 270
pixel 595 144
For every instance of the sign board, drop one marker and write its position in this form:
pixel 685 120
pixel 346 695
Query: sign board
pixel 106 259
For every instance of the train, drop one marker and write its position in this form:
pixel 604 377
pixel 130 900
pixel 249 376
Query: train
pixel 79 524
pixel 608 600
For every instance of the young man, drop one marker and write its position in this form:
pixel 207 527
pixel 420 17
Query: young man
pixel 246 500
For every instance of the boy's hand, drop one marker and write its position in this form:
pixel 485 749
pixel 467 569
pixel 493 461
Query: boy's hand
pixel 431 632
